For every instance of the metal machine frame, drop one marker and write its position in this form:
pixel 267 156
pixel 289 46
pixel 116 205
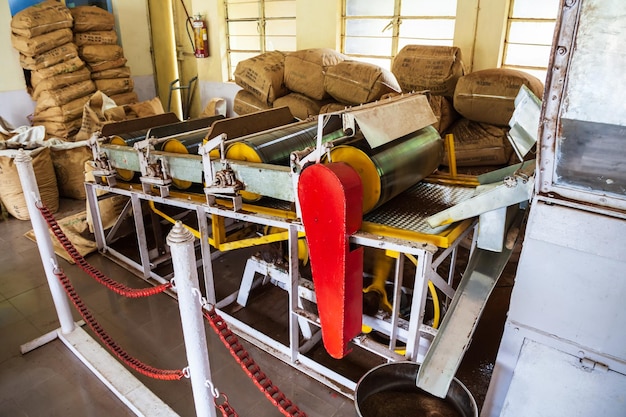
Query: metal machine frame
pixel 416 335
pixel 213 212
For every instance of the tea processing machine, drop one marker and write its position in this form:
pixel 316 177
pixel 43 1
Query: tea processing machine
pixel 324 209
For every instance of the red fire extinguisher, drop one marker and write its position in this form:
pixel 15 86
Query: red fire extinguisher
pixel 201 37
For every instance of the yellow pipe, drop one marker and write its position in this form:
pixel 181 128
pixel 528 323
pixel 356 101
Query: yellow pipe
pixel 224 245
pixel 451 154
pixel 433 294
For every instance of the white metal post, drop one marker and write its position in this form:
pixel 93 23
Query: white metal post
pixel 181 245
pixel 24 164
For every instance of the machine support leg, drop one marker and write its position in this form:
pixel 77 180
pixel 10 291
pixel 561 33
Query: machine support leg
pixel 26 172
pixel 181 243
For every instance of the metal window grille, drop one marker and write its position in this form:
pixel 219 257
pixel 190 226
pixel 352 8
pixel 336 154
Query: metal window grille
pixel 375 31
pixel 529 34
pixel 257 26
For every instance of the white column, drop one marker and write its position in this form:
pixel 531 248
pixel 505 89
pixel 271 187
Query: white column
pixel 26 172
pixel 186 276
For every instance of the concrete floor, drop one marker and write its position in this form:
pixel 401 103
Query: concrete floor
pixel 50 381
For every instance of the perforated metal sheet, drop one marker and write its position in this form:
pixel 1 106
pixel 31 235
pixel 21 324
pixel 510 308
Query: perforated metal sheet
pixel 410 209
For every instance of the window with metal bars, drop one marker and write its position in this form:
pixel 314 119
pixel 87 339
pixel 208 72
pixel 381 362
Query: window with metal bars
pixel 374 31
pixel 529 35
pixel 257 26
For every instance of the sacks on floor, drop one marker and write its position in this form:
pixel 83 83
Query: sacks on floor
pixel 99 53
pixel 425 67
pixel 112 86
pixel 304 70
pixel 47 59
pixel 125 98
pixel 97 110
pixel 356 82
pixel 300 105
pixel 41 43
pixel 105 65
pixel 332 107
pixel 92 18
pixel 101 37
pixel 478 144
pixel 145 108
pixel 245 103
pixel 120 72
pixel 69 159
pixel 263 76
pixel 11 192
pixel 58 81
pixel 62 130
pixel 64 113
pixel 488 96
pixel 444 112
pixel 41 18
pixel 63 95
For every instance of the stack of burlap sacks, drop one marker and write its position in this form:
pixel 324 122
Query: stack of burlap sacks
pixel 63 49
pixel 61 84
pixel 96 39
pixel 70 54
pixel 475 108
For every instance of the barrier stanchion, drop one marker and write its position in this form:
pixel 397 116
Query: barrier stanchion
pixel 24 164
pixel 181 245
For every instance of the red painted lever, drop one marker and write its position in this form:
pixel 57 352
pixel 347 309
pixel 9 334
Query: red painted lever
pixel 331 199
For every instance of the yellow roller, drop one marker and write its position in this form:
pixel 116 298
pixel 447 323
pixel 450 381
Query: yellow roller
pixel 241 151
pixel 366 169
pixel 124 174
pixel 176 146
pixel 388 170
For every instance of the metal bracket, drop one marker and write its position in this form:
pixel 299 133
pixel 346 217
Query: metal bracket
pixel 154 169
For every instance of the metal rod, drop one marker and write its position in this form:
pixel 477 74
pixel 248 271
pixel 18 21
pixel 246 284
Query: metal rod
pixel 24 164
pixel 181 243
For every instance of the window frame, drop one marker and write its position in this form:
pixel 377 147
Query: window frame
pixel 261 22
pixel 395 22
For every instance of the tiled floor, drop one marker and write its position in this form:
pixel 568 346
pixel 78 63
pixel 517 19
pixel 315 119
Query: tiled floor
pixel 50 381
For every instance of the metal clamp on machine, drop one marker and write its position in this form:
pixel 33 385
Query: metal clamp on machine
pixel 220 183
pixel 103 171
pixel 154 169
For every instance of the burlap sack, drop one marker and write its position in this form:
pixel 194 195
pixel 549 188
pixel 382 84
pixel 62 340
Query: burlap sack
pixel 98 110
pixel 332 107
pixel 70 65
pixel 444 112
pixel 58 81
pixel 263 76
pixel 147 108
pixel 99 53
pixel 215 106
pixel 125 98
pixel 102 37
pixel 115 85
pixel 355 82
pixel 11 192
pixel 62 130
pixel 42 43
pixel 41 18
pixel 245 103
pixel 300 105
pixel 63 95
pixel 304 70
pixel 105 65
pixel 477 144
pixel 488 96
pixel 47 59
pixel 65 113
pixel 110 208
pixel 92 18
pixel 69 160
pixel 121 72
pixel 433 68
